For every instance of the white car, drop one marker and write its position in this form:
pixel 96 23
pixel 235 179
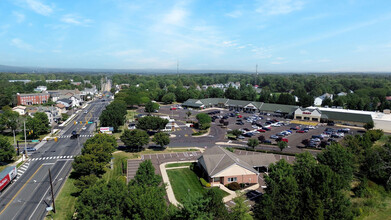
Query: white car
pixel 83 128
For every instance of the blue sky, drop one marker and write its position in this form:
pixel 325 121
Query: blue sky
pixel 278 35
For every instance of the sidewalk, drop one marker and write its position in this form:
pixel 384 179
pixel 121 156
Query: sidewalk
pixel 166 180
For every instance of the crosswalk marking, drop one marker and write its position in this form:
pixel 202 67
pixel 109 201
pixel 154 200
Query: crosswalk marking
pixel 49 158
pixel 83 135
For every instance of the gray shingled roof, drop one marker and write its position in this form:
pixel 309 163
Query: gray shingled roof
pixel 216 159
pixel 269 107
pixel 192 103
pixel 346 116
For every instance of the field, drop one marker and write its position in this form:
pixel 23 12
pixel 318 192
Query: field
pixel 185 183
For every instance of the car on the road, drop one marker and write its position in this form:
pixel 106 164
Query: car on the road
pixel 30 149
pixel 85 111
pixel 84 128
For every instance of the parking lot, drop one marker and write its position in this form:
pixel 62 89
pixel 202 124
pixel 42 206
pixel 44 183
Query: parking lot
pixel 249 123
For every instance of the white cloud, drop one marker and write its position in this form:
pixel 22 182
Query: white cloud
pixel 75 20
pixel 19 16
pixel 261 52
pixel 276 63
pixel 39 7
pixel 21 44
pixel 229 44
pixel 234 14
pixel 280 58
pixel 175 17
pixel 276 7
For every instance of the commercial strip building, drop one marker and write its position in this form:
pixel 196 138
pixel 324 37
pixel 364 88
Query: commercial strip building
pixel 382 120
pixel 223 167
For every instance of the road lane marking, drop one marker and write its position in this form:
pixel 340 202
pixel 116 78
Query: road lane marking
pixel 20 189
pixel 47 191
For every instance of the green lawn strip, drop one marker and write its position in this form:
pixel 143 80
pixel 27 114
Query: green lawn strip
pixel 178 164
pixel 119 163
pixel 65 202
pixel 383 140
pixel 2 167
pixel 185 182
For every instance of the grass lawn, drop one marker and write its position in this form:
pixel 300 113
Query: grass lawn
pixel 19 136
pixel 2 167
pixel 65 202
pixel 185 182
pixel 382 140
pixel 178 164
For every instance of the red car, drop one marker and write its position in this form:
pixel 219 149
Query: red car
pixel 300 131
pixel 261 130
pixel 172 108
pixel 239 116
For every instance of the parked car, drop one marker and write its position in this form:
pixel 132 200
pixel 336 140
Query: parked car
pixel 261 130
pixel 239 123
pixel 301 131
pixel 273 137
pixel 248 134
pixel 295 128
pixel 267 141
pixel 241 137
pixel 282 139
pixel 266 128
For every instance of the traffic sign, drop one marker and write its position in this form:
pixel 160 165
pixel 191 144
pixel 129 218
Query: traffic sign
pixel 34 141
pixel 90 122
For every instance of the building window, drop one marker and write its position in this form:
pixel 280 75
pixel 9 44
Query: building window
pixel 232 179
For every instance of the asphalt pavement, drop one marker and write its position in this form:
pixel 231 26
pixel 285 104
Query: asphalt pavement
pixel 29 196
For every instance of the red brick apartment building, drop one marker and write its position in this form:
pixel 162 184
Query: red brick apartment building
pixel 32 98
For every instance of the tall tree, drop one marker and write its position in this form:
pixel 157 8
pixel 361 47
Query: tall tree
pixel 151 123
pixel 161 139
pixel 135 138
pixel 7 151
pixel 252 142
pixel 145 175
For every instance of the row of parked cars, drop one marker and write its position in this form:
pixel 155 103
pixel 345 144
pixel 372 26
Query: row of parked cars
pixel 326 138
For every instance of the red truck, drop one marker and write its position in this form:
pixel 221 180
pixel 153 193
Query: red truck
pixel 7 175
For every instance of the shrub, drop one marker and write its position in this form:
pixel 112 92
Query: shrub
pixel 233 186
pixel 230 149
pixel 204 183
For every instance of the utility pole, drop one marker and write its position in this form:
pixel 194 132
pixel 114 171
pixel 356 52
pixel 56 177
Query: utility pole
pixel 25 139
pixel 51 111
pixel 51 188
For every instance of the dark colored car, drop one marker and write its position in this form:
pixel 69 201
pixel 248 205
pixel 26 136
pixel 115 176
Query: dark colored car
pixel 248 134
pixel 267 141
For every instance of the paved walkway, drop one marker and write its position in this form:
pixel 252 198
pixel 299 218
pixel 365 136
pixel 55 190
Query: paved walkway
pixel 166 180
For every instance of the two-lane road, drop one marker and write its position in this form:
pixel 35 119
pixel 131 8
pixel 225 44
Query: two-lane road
pixel 29 196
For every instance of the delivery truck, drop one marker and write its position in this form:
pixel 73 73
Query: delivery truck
pixel 6 176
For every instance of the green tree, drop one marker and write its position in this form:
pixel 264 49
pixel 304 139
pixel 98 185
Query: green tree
pixel 340 160
pixel 151 107
pixel 151 123
pixel 135 138
pixel 102 201
pixel 84 182
pixel 281 198
pixel 237 132
pixel 145 202
pixel 240 210
pixel 204 120
pixel 161 139
pixel 106 139
pixel 188 113
pixel 378 164
pixel 7 151
pixel 369 125
pixel 194 207
pixel 168 98
pixel 87 164
pixel 216 206
pixel 252 142
pixel 145 175
pixel 282 145
pixel 37 125
pixel 114 115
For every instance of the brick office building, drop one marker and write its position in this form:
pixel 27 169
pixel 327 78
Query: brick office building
pixel 32 98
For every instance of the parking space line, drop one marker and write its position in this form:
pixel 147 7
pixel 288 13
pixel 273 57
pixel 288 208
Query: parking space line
pixel 170 155
pixel 150 157
pixel 177 155
pixel 164 156
pixel 157 156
